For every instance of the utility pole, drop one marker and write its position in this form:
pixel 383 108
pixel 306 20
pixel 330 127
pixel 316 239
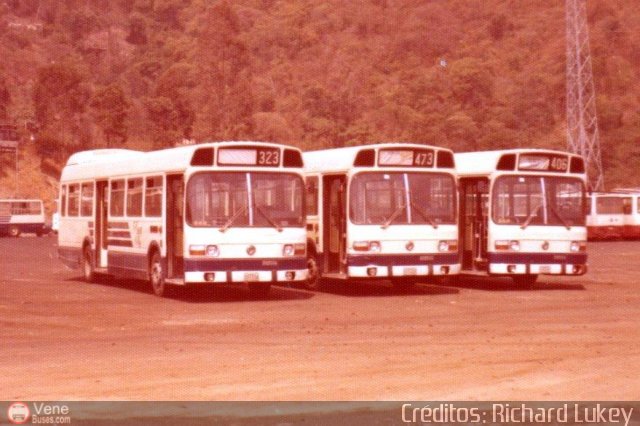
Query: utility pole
pixel 582 121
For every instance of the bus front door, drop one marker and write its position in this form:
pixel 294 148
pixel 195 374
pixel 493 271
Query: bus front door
pixel 101 224
pixel 334 213
pixel 175 218
pixel 474 196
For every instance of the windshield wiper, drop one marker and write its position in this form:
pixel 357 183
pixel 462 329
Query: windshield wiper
pixel 266 216
pixel 233 218
pixel 562 219
pixel 423 214
pixel 530 217
pixel 393 217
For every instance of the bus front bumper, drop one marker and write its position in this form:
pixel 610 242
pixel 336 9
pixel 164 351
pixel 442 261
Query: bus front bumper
pixel 245 271
pixel 537 263
pixel 390 265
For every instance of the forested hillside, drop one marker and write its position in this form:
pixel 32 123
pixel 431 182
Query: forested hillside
pixel 465 74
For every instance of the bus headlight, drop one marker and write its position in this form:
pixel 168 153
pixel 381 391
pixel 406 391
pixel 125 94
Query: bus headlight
pixel 448 245
pixel 577 246
pixel 513 245
pixel 213 251
pixel 373 246
pixel 299 249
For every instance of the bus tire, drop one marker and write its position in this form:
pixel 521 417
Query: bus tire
pixel 525 281
pixel 14 231
pixel 156 275
pixel 259 290
pixel 87 265
pixel 313 279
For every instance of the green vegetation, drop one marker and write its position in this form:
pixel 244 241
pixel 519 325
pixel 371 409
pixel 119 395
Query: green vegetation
pixel 465 74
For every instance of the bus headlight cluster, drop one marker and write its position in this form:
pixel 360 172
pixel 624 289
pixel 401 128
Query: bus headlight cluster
pixel 299 249
pixel 513 245
pixel 202 250
pixel 448 245
pixel 373 246
pixel 577 246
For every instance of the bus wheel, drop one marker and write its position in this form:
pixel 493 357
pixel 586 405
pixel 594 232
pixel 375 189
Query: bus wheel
pixel 259 290
pixel 525 281
pixel 14 231
pixel 156 275
pixel 87 266
pixel 404 284
pixel 313 279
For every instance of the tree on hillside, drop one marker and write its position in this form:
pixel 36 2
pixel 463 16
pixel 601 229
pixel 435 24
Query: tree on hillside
pixel 60 97
pixel 226 74
pixel 170 109
pixel 5 98
pixel 110 108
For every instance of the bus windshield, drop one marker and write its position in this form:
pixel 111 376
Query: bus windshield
pixel 239 199
pixel 538 200
pixel 385 198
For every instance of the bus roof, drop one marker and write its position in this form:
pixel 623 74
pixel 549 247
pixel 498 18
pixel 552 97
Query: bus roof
pixel 120 162
pixel 482 163
pixel 343 159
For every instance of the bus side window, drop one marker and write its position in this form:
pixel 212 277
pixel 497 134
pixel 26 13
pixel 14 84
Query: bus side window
pixel 74 199
pixel 86 200
pixel 312 195
pixel 153 197
pixel 117 198
pixel 63 200
pixel 134 197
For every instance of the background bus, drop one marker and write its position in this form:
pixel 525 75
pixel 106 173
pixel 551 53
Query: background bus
pixel 631 228
pixel 606 215
pixel 21 215
pixel 522 213
pixel 226 212
pixel 383 211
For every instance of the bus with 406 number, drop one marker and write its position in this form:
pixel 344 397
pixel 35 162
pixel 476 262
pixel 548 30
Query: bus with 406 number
pixel 522 213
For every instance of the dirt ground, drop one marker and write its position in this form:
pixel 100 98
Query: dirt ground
pixel 481 339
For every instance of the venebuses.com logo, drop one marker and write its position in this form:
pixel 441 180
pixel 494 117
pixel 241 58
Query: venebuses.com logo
pixel 18 413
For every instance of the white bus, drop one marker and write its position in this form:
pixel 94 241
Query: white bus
pixel 631 229
pixel 18 216
pixel 224 212
pixel 386 211
pixel 522 213
pixel 606 215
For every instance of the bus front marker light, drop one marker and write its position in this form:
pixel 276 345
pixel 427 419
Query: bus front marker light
pixel 372 271
pixel 577 246
pixel 409 246
pixel 374 246
pixel 511 269
pixel 289 275
pixel 213 251
pixel 197 250
pixel 251 250
pixel 514 245
pixel 444 269
pixel 448 245
pixel 502 245
pixel 209 276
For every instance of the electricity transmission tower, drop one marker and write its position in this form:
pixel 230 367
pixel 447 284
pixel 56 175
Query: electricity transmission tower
pixel 582 122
